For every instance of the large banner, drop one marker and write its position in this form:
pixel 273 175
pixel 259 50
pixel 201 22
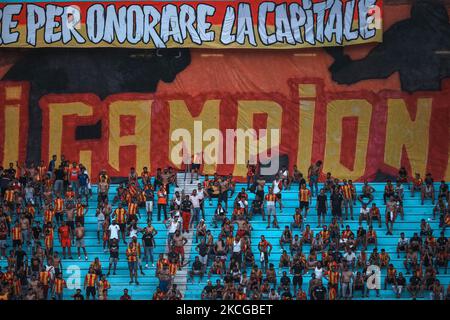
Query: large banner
pixel 364 110
pixel 194 24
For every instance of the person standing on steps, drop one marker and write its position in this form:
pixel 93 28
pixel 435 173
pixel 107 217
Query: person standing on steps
pixel 186 209
pixel 58 286
pixel 65 238
pixel 137 246
pixel 223 192
pixel 271 200
pixel 79 239
pixel 251 172
pixel 203 195
pixel 70 221
pixel 113 255
pixel 277 187
pixel 337 203
pixel 313 175
pixel 119 215
pixel 196 199
pixel 131 254
pixel 179 241
pixel 321 207
pixel 162 202
pixel 148 241
pixel 100 221
pixel 113 231
pixel 348 193
pixel 172 225
pixel 265 248
pixel 90 283
pixel 195 166
pixel 304 197
pixel 149 200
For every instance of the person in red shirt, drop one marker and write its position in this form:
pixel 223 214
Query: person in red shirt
pixel 251 171
pixel 158 295
pixel 162 203
pixel 125 295
pixel 73 173
pixel 65 238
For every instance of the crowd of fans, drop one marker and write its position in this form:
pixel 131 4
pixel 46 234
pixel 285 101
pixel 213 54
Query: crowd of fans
pixel 42 218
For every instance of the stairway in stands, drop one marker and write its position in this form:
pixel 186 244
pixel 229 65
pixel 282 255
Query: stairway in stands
pixel 186 183
pixel 75 270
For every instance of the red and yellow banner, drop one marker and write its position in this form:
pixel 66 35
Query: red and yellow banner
pixel 357 132
pixel 206 24
pixel 362 125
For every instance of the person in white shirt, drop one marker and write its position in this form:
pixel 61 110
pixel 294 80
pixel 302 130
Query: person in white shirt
pixel 237 250
pixel 364 214
pixel 273 295
pixel 114 230
pixel 173 224
pixel 399 190
pixel 219 215
pixel 134 230
pixel 196 199
pixel 176 200
pixel 284 173
pixel 203 195
pixel 350 257
pixel 318 271
pixel 29 194
pixel 277 185
pixel 402 244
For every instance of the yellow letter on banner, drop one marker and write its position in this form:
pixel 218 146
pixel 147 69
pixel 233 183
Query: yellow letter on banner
pixel 56 112
pixel 401 131
pixel 86 160
pixel 336 110
pixel 181 118
pixel 244 151
pixel 307 94
pixel 141 110
pixel 11 125
pixel 11 146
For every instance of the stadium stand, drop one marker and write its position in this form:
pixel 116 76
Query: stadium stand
pixel 74 270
